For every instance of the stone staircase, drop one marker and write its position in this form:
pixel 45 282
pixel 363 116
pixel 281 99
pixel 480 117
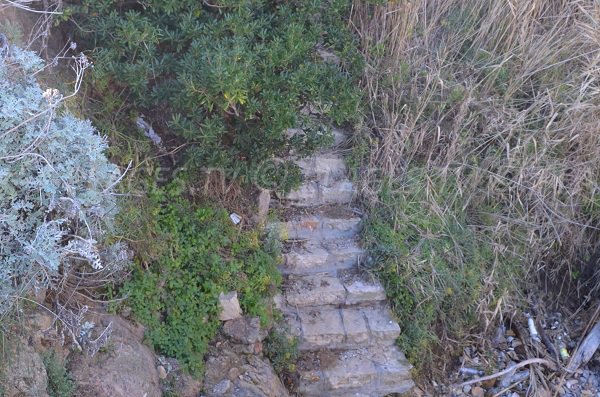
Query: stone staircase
pixel 345 330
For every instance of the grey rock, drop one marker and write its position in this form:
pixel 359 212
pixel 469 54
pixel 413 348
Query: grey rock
pixel 126 369
pixel 222 387
pixel 246 375
pixel 230 306
pixel 246 330
pixel 22 371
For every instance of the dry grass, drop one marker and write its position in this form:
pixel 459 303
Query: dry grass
pixel 499 98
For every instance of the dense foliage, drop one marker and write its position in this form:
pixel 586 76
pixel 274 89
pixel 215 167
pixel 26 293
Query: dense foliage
pixel 56 196
pixel 200 253
pixel 229 77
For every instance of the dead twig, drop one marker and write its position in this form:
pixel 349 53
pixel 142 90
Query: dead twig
pixel 508 370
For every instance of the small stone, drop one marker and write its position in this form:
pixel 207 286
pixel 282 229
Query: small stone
pixel 571 382
pixel 233 373
pixel 230 306
pixel 162 372
pixel 467 388
pixel 477 392
pixel 222 387
pixel 264 201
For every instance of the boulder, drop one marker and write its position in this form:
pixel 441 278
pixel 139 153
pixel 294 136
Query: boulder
pixel 230 306
pixel 233 374
pixel 245 330
pixel 22 371
pixel 186 386
pixel 126 369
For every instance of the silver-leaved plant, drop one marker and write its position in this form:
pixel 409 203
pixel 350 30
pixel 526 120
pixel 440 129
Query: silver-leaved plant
pixel 57 194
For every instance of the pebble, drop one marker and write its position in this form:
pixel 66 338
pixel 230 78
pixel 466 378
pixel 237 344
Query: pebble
pixel 477 392
pixel 571 383
pixel 467 388
pixel 162 372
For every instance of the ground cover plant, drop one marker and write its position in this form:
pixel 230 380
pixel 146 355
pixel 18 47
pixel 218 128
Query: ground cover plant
pixel 199 253
pixel 228 78
pixel 479 159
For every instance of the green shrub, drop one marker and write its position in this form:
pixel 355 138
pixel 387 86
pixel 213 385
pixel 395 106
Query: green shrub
pixel 229 77
pixel 59 382
pixel 200 253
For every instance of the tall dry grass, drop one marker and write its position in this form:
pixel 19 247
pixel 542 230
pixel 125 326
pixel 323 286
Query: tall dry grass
pixel 500 98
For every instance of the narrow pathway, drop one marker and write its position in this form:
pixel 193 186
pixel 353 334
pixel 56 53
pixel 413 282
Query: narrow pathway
pixel 339 314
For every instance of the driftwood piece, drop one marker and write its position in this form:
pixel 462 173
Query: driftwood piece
pixel 586 349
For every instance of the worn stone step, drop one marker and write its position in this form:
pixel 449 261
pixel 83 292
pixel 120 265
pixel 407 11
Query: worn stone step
pixel 314 290
pixel 361 288
pixel 325 168
pixel 313 193
pixel 373 372
pixel 349 288
pixel 344 328
pixel 317 227
pixel 321 256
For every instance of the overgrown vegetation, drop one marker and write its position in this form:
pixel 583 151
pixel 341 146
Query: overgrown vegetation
pixel 199 254
pixel 479 163
pixel 228 77
pixel 59 382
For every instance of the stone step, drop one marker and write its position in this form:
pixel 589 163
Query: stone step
pixel 325 168
pixel 321 256
pixel 313 193
pixel 349 288
pixel 317 227
pixel 346 328
pixel 373 372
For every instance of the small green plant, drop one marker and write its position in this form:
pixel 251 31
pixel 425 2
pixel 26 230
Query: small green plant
pixel 282 350
pixel 198 254
pixel 59 382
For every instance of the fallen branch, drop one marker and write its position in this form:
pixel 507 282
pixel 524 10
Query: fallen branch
pixel 508 370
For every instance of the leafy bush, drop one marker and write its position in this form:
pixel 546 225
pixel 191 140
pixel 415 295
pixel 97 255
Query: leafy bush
pixel 230 77
pixel 55 183
pixel 200 254
pixel 59 382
